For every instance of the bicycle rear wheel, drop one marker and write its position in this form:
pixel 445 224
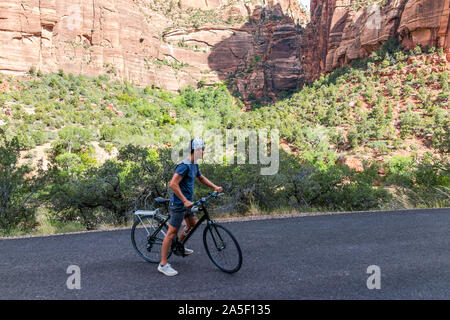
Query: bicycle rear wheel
pixel 222 248
pixel 147 244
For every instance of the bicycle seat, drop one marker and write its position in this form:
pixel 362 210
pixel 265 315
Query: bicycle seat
pixel 161 200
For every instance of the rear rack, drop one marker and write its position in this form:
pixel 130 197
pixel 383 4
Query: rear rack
pixel 146 213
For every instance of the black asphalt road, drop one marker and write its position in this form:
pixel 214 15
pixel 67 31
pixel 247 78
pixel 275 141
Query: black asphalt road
pixel 319 257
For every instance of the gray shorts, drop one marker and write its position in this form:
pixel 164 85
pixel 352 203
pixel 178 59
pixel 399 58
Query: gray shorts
pixel 177 214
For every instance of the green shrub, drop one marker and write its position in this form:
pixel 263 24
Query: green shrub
pixel 146 109
pixel 107 201
pixel 400 170
pixel 2 99
pixel 17 206
pixel 39 137
pixel 410 123
pixel 71 139
pixel 25 139
pixel 32 70
pixel 417 50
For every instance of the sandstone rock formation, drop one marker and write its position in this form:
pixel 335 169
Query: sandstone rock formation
pixel 261 59
pixel 289 7
pixel 339 33
pixel 148 42
pixel 259 46
pixel 426 22
pixel 77 37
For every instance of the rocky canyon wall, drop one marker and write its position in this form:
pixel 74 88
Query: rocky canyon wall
pixel 167 43
pixel 340 31
pixel 260 47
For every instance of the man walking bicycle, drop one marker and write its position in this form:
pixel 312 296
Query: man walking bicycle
pixel 182 185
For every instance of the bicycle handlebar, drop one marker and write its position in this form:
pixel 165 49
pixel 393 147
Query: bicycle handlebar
pixel 198 203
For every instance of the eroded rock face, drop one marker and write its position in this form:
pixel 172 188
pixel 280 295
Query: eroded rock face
pixel 289 7
pixel 314 44
pixel 426 22
pixel 257 46
pixel 339 33
pixel 200 4
pixel 261 59
pixel 354 34
pixel 152 42
pixel 78 38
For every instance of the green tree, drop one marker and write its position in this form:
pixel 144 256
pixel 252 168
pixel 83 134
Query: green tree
pixel 17 188
pixel 93 196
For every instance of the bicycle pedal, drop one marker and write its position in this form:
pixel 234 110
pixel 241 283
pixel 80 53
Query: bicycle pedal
pixel 178 248
pixel 179 252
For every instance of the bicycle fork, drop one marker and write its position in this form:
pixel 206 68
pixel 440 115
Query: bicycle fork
pixel 212 227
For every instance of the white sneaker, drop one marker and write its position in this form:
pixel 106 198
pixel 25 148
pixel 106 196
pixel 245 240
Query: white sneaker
pixel 167 270
pixel 188 251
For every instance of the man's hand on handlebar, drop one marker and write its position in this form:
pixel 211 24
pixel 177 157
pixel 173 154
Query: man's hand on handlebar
pixel 194 209
pixel 218 189
pixel 188 204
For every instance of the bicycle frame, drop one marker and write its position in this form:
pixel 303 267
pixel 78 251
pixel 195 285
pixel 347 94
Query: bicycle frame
pixel 191 232
pixel 199 222
pixel 201 207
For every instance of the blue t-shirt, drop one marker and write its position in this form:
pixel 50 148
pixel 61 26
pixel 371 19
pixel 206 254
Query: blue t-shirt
pixel 189 171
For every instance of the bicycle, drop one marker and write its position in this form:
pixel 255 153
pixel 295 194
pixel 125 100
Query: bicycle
pixel 217 243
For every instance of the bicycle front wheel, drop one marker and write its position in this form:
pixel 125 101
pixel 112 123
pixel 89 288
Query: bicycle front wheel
pixel 222 248
pixel 148 244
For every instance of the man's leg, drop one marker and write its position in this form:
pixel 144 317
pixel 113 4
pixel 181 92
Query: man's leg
pixel 167 242
pixel 190 223
pixel 176 218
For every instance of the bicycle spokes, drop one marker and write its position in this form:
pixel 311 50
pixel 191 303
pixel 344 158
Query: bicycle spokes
pixel 147 236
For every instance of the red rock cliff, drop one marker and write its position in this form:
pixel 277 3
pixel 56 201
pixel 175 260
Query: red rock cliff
pixel 258 46
pixel 340 31
pixel 149 42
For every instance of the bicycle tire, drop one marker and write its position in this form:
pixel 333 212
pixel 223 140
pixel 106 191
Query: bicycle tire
pixel 219 244
pixel 141 245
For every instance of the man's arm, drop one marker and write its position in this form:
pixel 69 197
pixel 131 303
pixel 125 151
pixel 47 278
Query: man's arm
pixel 208 183
pixel 175 186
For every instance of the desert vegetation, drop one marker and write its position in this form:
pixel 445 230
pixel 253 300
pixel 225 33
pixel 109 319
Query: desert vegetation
pixel 372 135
